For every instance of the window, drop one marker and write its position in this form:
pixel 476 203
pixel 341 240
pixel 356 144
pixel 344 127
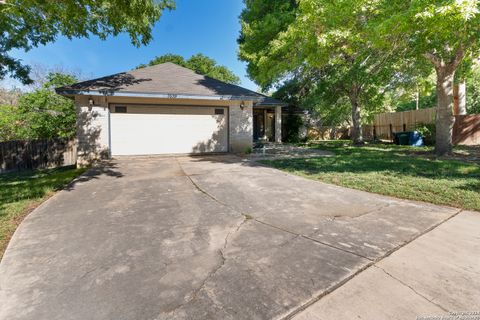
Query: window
pixel 120 109
pixel 219 111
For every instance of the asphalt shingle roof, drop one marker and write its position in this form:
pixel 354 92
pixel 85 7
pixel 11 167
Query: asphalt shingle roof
pixel 165 78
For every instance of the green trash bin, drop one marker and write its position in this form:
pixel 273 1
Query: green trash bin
pixel 403 139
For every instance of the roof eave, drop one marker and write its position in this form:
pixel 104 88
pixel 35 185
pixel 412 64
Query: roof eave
pixel 68 92
pixel 271 104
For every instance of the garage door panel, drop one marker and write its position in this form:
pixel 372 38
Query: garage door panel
pixel 172 131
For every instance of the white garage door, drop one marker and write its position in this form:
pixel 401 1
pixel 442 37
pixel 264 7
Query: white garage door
pixel 143 130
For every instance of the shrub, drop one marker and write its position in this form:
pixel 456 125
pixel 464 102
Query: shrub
pixel 427 130
pixel 293 123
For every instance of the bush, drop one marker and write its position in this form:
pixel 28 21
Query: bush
pixel 427 130
pixel 293 123
pixel 10 125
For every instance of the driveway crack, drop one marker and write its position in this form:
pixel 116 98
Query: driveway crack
pixel 194 295
pixel 212 273
pixel 198 187
pixel 410 287
pixel 312 239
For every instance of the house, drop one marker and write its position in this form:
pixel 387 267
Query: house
pixel 169 109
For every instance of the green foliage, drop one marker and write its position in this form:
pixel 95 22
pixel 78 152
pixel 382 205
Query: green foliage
pixel 199 63
pixel 427 101
pixel 307 91
pixel 399 171
pixel 9 123
pixel 169 57
pixel 443 33
pixel 45 114
pixel 411 80
pixel 40 114
pixel 293 123
pixel 321 48
pixel 427 130
pixel 438 28
pixel 248 150
pixel 473 91
pixel 28 24
pixel 263 22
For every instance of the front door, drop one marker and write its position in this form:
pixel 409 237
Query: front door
pixel 258 125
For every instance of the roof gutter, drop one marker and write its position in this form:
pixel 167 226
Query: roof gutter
pixel 154 95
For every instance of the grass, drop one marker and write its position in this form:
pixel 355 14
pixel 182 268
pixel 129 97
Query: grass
pixel 399 171
pixel 21 192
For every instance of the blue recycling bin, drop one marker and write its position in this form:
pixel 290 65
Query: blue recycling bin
pixel 416 139
pixel 409 138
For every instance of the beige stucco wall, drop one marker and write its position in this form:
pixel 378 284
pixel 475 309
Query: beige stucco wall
pixel 92 130
pixel 93 123
pixel 241 126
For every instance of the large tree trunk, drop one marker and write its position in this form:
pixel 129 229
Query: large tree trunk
pixel 445 118
pixel 357 136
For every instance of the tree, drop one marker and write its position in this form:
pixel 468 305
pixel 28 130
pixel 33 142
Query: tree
pixel 43 114
pixel 169 57
pixel 199 63
pixel 28 24
pixel 309 92
pixel 328 37
pixel 442 33
pixel 9 123
pixel 411 88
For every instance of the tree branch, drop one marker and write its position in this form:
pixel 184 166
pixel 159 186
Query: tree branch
pixel 433 58
pixel 457 59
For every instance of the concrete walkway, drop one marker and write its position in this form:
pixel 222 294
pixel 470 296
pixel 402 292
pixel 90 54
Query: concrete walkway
pixel 210 238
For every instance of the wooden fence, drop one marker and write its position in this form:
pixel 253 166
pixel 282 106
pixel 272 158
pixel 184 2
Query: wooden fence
pixel 386 124
pixel 37 154
pixel 466 130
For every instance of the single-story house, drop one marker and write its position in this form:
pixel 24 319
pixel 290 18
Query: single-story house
pixel 169 109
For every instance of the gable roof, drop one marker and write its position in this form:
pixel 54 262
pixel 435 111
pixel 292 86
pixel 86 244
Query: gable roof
pixel 166 80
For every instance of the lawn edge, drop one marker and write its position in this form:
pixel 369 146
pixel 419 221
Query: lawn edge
pixel 31 207
pixel 359 190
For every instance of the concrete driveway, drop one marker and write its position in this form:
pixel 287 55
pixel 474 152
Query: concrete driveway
pixel 198 238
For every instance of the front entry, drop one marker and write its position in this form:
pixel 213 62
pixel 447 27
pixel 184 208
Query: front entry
pixel 263 125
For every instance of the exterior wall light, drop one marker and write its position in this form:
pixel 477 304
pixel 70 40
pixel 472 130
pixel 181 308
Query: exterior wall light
pixel 242 105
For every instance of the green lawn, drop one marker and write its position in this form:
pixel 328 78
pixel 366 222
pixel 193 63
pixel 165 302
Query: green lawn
pixel 22 192
pixel 403 172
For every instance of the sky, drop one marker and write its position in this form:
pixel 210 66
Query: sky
pixel 210 27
